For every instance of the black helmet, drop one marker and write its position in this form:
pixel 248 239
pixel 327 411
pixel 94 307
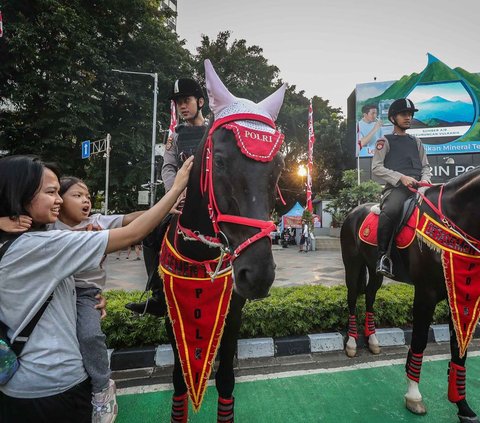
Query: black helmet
pixel 401 105
pixel 185 87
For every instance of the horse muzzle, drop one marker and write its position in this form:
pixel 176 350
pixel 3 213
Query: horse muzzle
pixel 253 279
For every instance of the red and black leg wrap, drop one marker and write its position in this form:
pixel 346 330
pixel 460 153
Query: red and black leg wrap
pixel 456 382
pixel 413 367
pixel 179 409
pixel 352 326
pixel 225 410
pixel 369 324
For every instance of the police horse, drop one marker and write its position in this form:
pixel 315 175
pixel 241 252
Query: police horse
pixel 221 243
pixel 443 262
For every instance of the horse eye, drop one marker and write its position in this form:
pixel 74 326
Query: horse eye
pixel 219 164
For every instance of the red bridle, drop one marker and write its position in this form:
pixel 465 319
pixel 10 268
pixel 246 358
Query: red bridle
pixel 215 214
pixel 444 219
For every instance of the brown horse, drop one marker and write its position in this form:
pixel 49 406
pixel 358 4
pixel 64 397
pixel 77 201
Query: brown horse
pixel 457 204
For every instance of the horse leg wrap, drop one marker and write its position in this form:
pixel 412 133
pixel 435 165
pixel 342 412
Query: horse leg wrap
pixel 413 367
pixel 352 326
pixel 369 324
pixel 179 409
pixel 225 410
pixel 456 382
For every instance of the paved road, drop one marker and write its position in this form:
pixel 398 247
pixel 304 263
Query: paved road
pixel 322 267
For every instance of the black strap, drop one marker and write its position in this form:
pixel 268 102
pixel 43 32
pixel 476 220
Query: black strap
pixel 22 338
pixel 5 246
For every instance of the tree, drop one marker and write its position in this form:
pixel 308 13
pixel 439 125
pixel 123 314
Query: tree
pixel 242 68
pixel 331 157
pixel 351 195
pixel 58 84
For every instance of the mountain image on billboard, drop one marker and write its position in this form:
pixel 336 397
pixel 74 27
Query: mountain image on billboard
pixel 447 100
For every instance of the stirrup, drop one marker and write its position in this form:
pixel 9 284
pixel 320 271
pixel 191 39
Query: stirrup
pixel 385 266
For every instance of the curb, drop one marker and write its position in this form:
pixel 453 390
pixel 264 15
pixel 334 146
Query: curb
pixel 162 355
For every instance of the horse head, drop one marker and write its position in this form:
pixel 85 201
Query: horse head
pixel 232 188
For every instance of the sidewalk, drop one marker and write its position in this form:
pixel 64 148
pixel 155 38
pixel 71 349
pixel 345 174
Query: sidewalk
pixel 321 267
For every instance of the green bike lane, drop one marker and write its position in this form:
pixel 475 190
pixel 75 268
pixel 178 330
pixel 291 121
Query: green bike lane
pixel 368 392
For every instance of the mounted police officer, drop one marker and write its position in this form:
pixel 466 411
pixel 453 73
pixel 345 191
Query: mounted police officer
pixel 189 99
pixel 401 162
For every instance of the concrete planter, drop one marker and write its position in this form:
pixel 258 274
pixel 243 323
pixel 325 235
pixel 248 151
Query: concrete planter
pixel 335 232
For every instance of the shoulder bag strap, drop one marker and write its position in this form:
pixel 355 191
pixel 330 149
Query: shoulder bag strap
pixel 22 338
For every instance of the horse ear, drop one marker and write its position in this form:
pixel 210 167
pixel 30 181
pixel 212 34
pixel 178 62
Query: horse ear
pixel 218 95
pixel 273 102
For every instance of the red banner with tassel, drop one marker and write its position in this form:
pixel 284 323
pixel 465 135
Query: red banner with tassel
pixel 197 307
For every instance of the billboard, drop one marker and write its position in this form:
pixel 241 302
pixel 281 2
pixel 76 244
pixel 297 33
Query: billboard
pixel 447 100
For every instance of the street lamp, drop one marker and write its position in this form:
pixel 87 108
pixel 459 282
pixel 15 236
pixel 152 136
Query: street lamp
pixel 154 128
pixel 302 171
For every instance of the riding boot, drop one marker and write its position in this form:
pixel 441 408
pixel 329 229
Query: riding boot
pixel 456 382
pixel 179 409
pixel 386 228
pixel 225 410
pixel 155 305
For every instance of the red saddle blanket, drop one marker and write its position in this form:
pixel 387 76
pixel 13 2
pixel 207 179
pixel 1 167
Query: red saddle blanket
pixel 368 230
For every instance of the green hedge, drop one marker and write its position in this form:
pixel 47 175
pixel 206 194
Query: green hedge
pixel 288 311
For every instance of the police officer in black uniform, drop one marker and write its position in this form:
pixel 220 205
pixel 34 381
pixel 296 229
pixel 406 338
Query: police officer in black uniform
pixel 401 162
pixel 189 99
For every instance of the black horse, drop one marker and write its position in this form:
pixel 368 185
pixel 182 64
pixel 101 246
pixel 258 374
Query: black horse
pixel 455 201
pixel 230 196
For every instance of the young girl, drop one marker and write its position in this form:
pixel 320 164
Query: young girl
pixel 74 216
pixel 51 384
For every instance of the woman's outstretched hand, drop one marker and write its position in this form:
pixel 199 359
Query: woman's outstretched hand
pixel 183 174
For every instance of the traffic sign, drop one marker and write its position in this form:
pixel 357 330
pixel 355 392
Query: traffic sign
pixel 86 149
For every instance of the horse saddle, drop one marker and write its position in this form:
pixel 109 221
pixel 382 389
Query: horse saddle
pixel 405 233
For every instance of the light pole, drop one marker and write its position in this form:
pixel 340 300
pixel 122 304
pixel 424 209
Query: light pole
pixel 154 128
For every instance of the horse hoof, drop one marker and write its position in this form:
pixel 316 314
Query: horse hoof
pixel 466 419
pixel 374 348
pixel 350 351
pixel 416 406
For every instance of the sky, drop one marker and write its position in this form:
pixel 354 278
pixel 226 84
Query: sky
pixel 326 47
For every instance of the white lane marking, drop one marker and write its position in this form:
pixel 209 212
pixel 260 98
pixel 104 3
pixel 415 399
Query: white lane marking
pixel 252 378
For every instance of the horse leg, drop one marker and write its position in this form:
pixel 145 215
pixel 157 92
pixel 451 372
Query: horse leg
pixel 224 377
pixel 457 379
pixel 355 278
pixel 180 396
pixel 374 283
pixel 423 307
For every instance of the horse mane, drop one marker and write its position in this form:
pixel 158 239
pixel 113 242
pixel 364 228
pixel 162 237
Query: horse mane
pixel 465 179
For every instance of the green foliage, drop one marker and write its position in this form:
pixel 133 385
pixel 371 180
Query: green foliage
pixel 287 312
pixel 242 68
pixel 308 217
pixel 351 195
pixel 124 329
pixel 56 76
pixel 59 90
